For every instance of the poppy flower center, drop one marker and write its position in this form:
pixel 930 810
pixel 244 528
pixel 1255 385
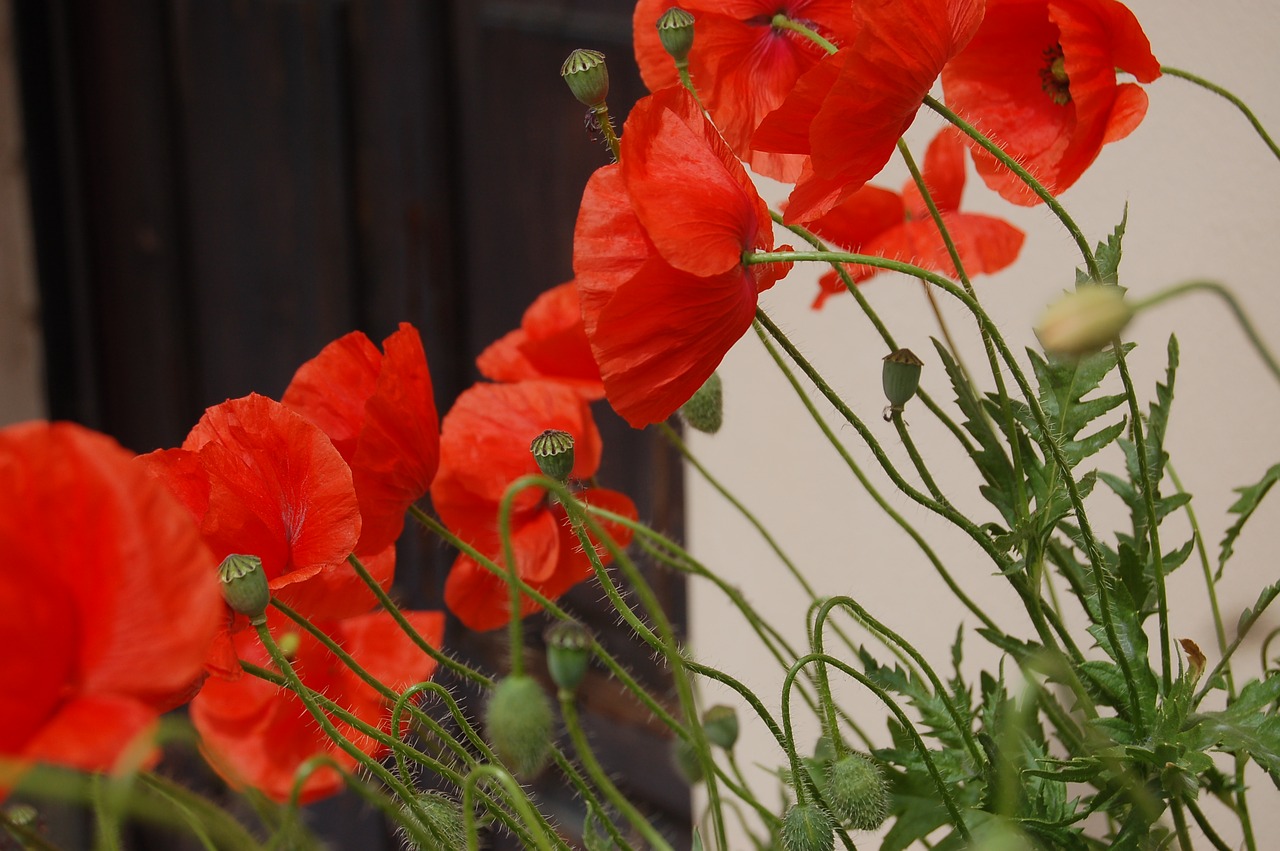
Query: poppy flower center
pixel 1053 76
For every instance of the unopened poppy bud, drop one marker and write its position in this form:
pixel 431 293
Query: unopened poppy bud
pixel 438 816
pixel 1084 321
pixel 721 726
pixel 553 450
pixel 587 76
pixel 857 791
pixel 518 724
pixel 685 756
pixel 705 409
pixel 675 31
pixel 901 378
pixel 244 586
pixel 807 828
pixel 568 652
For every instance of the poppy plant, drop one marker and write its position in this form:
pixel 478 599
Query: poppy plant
pixel 658 255
pixel 110 599
pixel 379 412
pixel 484 447
pixel 257 735
pixel 550 343
pixel 742 64
pixel 849 111
pixel 878 222
pixel 1039 77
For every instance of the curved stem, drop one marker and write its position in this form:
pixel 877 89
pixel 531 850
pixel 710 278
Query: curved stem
pixel 1235 101
pixel 1250 332
pixel 514 795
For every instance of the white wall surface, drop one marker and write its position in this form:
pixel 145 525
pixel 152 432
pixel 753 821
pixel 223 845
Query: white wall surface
pixel 1202 191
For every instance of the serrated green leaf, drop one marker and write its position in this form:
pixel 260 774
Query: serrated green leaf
pixel 1107 255
pixel 1250 498
pixel 1249 725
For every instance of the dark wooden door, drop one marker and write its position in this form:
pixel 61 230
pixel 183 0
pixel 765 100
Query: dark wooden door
pixel 220 187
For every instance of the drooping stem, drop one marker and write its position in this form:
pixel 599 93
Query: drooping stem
pixel 1235 101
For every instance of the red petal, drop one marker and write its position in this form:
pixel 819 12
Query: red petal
pixel 550 343
pixel 278 488
pixel 688 190
pixel 943 174
pixel 664 333
pixel 332 388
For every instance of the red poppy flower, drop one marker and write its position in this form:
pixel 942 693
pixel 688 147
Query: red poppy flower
pixel 550 343
pixel 1039 77
pixel 109 595
pixel 848 112
pixel 263 481
pixel 379 412
pixel 881 223
pixel 658 256
pixel 742 66
pixel 256 734
pixel 484 447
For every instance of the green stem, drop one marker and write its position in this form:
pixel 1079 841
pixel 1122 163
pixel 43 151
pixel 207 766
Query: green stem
pixel 782 22
pixel 514 795
pixel 1250 332
pixel 1207 829
pixel 1090 262
pixel 944 791
pixel 870 488
pixel 1153 522
pixel 1235 101
pixel 605 123
pixel 601 779
pixel 962 724
pixel 900 424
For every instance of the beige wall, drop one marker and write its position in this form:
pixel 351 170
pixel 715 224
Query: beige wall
pixel 1202 191
pixel 21 392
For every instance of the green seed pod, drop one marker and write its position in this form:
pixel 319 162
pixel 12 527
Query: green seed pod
pixel 568 653
pixel 587 76
pixel 807 828
pixel 244 587
pixel 553 450
pixel 721 726
pixel 675 31
pixel 685 756
pixel 857 792
pixel 518 724
pixel 901 377
pixel 705 408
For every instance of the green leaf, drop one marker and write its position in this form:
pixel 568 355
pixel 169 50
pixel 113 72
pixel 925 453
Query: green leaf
pixel 1249 725
pixel 1108 256
pixel 1248 502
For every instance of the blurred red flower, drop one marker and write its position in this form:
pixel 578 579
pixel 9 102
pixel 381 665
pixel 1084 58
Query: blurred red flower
pixel 1039 78
pixel 550 343
pixel 884 224
pixel 257 735
pixel 110 599
pixel 380 414
pixel 658 256
pixel 743 66
pixel 484 447
pixel 848 112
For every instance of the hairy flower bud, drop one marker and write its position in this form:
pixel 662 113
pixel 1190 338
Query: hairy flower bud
pixel 439 817
pixel 568 652
pixel 553 450
pixel 587 76
pixel 721 725
pixel 1084 321
pixel 857 791
pixel 705 409
pixel 685 756
pixel 518 724
pixel 901 377
pixel 807 828
pixel 244 586
pixel 675 31
pixel 595 836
